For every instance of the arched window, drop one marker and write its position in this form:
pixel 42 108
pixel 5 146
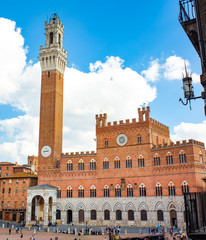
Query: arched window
pixel 118 215
pixel 93 215
pixel 81 165
pixel 59 40
pixel 69 165
pixel 171 189
pixel 51 38
pixel 81 192
pixel 106 191
pixel 106 143
pixel 160 215
pixel 158 189
pixel 117 163
pixel 48 73
pixel 69 192
pixel 92 164
pixel 128 162
pixel 93 191
pixel 156 160
pixel 142 190
pixel 143 214
pixel 106 164
pixel 58 214
pixel 182 157
pixel 185 187
pixel 58 192
pixel 129 191
pixel 117 191
pixel 139 139
pixel 130 215
pixel 106 214
pixel 169 158
pixel 140 161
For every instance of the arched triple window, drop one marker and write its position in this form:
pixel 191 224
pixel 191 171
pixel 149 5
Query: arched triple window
pixel 169 158
pixel 81 192
pixel 117 191
pixel 69 192
pixel 106 214
pixel 93 215
pixel 139 139
pixel 142 190
pixel 140 161
pixel 93 191
pixel 156 160
pixel 92 164
pixel 106 164
pixel 58 192
pixel 129 191
pixel 160 215
pixel 118 215
pixel 185 187
pixel 106 191
pixel 128 162
pixel 81 165
pixel 69 165
pixel 158 189
pixel 171 189
pixel 143 215
pixel 182 157
pixel 130 215
pixel 117 163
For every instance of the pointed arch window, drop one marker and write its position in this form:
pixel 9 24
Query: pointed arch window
pixel 182 157
pixel 117 191
pixel 93 191
pixel 128 162
pixel 106 191
pixel 106 144
pixel 160 215
pixel 139 139
pixel 81 192
pixel 58 214
pixel 106 164
pixel 185 188
pixel 81 165
pixel 169 158
pixel 69 192
pixel 117 163
pixel 140 161
pixel 171 189
pixel 156 160
pixel 142 190
pixel 92 164
pixel 158 189
pixel 129 191
pixel 69 166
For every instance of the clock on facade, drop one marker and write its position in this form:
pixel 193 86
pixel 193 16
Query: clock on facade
pixel 46 151
pixel 122 139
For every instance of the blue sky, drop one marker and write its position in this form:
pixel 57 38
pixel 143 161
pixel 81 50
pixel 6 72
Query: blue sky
pixel 141 33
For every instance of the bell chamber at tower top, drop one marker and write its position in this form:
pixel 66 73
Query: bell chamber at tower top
pixel 53 56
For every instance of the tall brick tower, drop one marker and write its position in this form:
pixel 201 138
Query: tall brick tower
pixel 53 60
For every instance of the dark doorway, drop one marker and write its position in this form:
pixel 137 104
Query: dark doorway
pixel 14 217
pixel 81 216
pixel 69 216
pixel 21 216
pixel 1 215
pixel 173 218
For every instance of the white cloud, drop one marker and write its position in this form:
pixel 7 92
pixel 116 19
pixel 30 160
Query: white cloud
pixel 153 72
pixel 108 87
pixel 172 68
pixel 190 131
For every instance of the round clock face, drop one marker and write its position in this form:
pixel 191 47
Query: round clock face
pixel 46 151
pixel 122 139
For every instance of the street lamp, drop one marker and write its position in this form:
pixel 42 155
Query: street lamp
pixel 188 89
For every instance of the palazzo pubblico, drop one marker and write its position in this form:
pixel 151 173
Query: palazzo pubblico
pixel 137 176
